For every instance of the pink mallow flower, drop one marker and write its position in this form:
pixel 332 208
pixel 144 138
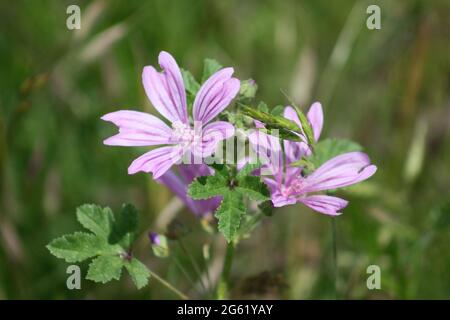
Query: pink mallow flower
pixel 288 185
pixel 183 139
pixel 178 184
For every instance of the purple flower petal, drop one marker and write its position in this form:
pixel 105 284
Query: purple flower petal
pixel 325 204
pixel 280 200
pixel 137 129
pixel 212 134
pixel 166 89
pixel 215 95
pixel 269 152
pixel 315 117
pixel 157 161
pixel 341 171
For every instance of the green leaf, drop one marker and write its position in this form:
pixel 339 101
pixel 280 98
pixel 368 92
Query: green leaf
pixel 271 121
pixel 96 219
pixel 126 226
pixel 229 214
pixel 190 84
pixel 248 169
pixel 306 126
pixel 277 110
pixel 221 169
pixel 210 66
pixel 262 106
pixel 76 247
pixel 206 187
pixel 139 272
pixel 266 207
pixel 253 188
pixel 248 89
pixel 105 268
pixel 330 148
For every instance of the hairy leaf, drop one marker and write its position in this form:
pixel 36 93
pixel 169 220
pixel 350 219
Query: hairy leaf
pixel 139 272
pixel 96 219
pixel 206 187
pixel 229 214
pixel 76 247
pixel 105 268
pixel 253 188
pixel 125 228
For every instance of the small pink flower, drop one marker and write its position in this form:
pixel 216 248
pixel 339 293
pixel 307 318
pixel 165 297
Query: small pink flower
pixel 289 186
pixel 183 140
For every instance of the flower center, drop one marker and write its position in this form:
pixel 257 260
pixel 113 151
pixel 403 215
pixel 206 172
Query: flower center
pixel 294 188
pixel 183 134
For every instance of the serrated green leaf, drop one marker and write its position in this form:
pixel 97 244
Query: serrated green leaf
pixel 206 187
pixel 253 188
pixel 210 66
pixel 248 169
pixel 105 268
pixel 330 148
pixel 126 226
pixel 221 170
pixel 96 219
pixel 230 214
pixel 139 272
pixel 76 247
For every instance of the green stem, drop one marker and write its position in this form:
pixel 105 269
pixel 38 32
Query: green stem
pixel 169 286
pixel 222 289
pixel 335 256
pixel 186 274
pixel 194 264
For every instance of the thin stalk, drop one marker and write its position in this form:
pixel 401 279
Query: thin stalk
pixel 194 264
pixel 335 256
pixel 169 286
pixel 186 274
pixel 222 289
pixel 208 277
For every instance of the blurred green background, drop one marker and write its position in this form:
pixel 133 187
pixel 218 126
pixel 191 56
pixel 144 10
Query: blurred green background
pixel 386 89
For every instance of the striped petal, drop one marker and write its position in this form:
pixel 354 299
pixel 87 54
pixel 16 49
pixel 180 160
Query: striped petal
pixel 137 129
pixel 341 171
pixel 166 89
pixel 325 204
pixel 157 161
pixel 215 95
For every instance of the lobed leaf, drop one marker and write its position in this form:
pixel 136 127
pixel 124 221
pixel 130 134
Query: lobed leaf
pixel 77 247
pixel 252 187
pixel 230 214
pixel 96 219
pixel 105 268
pixel 126 226
pixel 139 272
pixel 206 187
